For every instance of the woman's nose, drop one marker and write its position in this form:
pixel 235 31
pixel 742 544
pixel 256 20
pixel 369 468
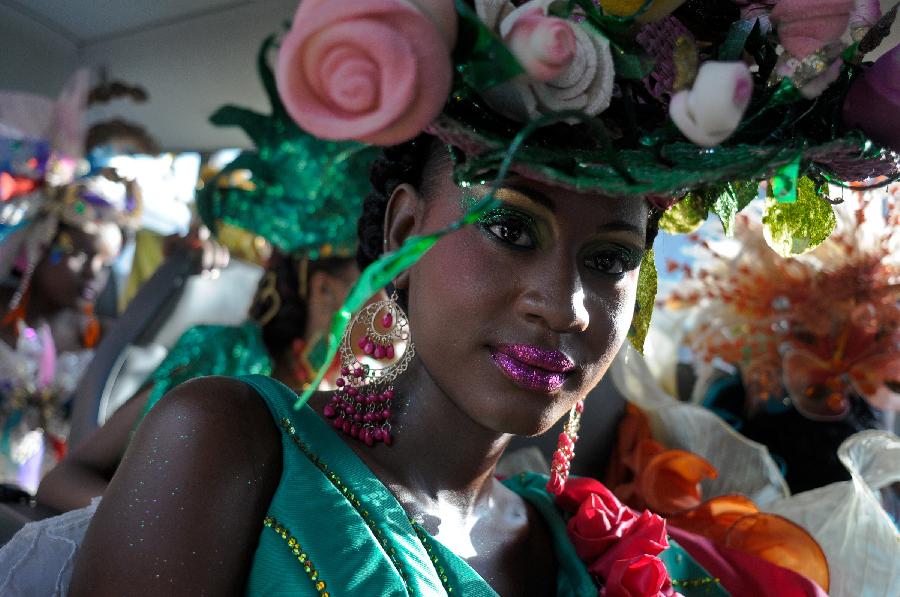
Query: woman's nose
pixel 556 298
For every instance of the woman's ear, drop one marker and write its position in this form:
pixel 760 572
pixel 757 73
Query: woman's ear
pixel 402 219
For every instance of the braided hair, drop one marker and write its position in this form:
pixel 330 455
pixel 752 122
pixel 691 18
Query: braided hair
pixel 407 163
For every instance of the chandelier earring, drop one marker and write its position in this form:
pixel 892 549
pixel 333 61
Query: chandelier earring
pixel 375 350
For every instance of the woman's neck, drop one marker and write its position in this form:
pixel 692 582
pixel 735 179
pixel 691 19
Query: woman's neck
pixel 440 456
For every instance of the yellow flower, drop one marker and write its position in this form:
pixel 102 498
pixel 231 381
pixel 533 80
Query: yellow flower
pixel 658 9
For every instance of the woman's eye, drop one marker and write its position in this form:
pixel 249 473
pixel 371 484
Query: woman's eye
pixel 511 231
pixel 612 263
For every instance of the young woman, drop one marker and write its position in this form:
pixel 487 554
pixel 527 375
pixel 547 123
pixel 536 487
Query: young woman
pixel 226 489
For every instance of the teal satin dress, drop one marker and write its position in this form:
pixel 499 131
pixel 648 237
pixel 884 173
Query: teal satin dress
pixel 333 529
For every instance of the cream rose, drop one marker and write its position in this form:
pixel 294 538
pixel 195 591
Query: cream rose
pixel 581 79
pixel 711 110
pixel 377 71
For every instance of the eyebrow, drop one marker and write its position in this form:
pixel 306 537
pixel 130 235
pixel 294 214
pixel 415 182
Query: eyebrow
pixel 623 225
pixel 531 194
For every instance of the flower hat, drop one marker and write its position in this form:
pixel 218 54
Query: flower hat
pixel 660 99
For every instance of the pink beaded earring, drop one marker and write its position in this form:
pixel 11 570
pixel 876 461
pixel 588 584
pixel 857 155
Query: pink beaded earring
pixel 361 406
pixel 565 451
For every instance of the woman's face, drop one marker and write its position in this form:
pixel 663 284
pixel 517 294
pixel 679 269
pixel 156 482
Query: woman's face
pixel 75 269
pixel 518 317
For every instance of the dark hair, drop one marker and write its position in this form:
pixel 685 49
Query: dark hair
pixel 283 276
pixel 406 163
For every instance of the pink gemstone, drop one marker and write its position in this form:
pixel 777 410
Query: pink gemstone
pixel 379 352
pixel 387 438
pixel 346 426
pixel 362 342
pixel 389 351
pixel 359 372
pixel 579 406
pixel 328 411
pixel 386 414
pixel 335 399
pixel 345 371
pixel 357 418
pixel 354 431
pixel 368 418
pixel 387 320
pixel 339 382
pixel 388 394
pixel 352 392
pixel 370 441
pixel 338 422
pixel 378 435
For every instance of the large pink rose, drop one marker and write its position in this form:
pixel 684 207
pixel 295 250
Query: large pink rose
pixel 641 576
pixel 377 71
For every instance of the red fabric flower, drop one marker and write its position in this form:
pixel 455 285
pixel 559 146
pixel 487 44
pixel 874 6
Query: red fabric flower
pixel 641 576
pixel 608 536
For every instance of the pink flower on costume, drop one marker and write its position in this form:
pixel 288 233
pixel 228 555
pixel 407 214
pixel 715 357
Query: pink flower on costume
pixel 805 26
pixel 641 576
pixel 545 46
pixel 377 71
pixel 581 80
pixel 614 542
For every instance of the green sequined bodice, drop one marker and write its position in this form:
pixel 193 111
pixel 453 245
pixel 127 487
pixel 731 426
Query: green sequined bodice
pixel 333 529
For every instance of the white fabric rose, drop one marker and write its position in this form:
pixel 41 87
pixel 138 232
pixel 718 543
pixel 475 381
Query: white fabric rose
pixel 585 84
pixel 711 110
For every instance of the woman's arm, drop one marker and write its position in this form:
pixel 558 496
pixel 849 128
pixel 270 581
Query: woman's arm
pixel 85 472
pixel 184 512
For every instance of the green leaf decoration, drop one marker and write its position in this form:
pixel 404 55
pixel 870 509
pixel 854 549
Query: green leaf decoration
pixel 734 197
pixel 784 183
pixel 643 306
pixel 628 65
pixel 482 58
pixel 306 193
pixel 686 216
pixel 736 39
pixel 795 228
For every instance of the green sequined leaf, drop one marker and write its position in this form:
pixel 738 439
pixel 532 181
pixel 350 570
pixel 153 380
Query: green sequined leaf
pixel 784 183
pixel 685 216
pixel 628 65
pixel 646 297
pixel 734 197
pixel 798 227
pixel 305 194
pixel 482 58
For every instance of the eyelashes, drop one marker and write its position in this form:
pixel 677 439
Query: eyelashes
pixel 510 227
pixel 613 261
pixel 518 231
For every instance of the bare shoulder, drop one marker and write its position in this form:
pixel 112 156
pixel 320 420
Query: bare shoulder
pixel 184 510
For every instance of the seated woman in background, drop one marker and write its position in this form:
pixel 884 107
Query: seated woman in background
pixel 282 334
pixel 58 237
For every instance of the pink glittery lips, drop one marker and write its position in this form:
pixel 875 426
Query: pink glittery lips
pixel 531 367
